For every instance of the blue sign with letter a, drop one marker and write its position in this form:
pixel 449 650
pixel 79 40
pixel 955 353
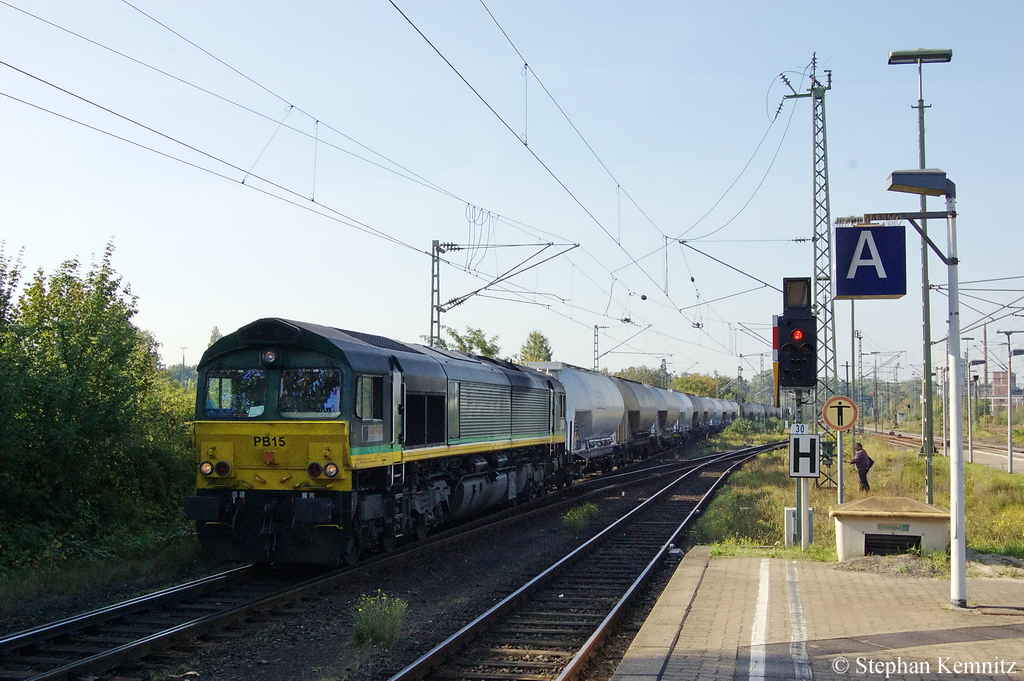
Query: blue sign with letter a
pixel 871 262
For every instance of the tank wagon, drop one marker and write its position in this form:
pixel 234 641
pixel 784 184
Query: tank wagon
pixel 314 443
pixel 610 420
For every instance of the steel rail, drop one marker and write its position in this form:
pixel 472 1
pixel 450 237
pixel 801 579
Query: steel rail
pixel 43 632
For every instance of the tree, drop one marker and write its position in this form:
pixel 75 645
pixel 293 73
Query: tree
pixel 536 348
pixel 10 275
pixel 641 374
pixel 473 341
pixel 87 409
pixel 215 336
pixel 696 384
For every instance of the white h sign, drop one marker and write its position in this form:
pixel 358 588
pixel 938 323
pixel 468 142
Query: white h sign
pixel 804 456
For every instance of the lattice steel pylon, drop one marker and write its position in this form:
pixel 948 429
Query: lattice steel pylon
pixel 824 305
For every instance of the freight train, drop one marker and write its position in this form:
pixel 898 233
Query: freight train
pixel 314 443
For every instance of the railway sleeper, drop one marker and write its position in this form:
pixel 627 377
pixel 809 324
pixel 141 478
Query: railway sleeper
pixel 511 676
pixel 38 660
pixel 519 664
pixel 542 615
pixel 534 652
pixel 567 630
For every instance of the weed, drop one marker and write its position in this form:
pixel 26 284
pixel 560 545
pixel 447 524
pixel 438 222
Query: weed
pixel 378 620
pixel 577 519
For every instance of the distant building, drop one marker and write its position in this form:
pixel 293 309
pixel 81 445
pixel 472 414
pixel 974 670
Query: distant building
pixel 996 390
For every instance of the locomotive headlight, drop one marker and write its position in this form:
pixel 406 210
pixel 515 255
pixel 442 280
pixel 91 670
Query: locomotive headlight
pixel 314 469
pixel 269 356
pixel 222 468
pixel 206 468
pixel 331 470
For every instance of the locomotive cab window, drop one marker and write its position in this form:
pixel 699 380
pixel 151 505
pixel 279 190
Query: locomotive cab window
pixel 370 397
pixel 310 393
pixel 236 393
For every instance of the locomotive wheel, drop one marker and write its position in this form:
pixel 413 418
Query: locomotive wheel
pixel 421 529
pixel 388 540
pixel 352 550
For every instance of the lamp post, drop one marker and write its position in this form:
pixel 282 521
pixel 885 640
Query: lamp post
pixel 933 182
pixel 944 387
pixel 874 395
pixel 1010 353
pixel 921 57
pixel 970 405
pixel 967 384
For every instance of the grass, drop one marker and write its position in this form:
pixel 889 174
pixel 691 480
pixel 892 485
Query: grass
pixel 749 511
pixel 378 620
pixel 170 560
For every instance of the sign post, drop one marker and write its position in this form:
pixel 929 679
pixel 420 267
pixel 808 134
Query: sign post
pixel 840 414
pixel 804 463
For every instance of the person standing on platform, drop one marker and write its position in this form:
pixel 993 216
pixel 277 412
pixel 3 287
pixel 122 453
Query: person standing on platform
pixel 863 462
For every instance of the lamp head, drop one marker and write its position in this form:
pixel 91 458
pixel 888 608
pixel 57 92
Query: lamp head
pixel 920 56
pixel 929 181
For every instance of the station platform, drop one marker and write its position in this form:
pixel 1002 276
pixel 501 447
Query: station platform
pixel 736 618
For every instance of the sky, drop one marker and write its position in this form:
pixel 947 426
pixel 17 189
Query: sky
pixel 297 160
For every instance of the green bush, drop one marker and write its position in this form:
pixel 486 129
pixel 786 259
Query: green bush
pixel 96 435
pixel 378 620
pixel 577 519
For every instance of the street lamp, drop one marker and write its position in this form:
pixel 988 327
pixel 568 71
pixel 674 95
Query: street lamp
pixel 1009 404
pixel 920 57
pixel 874 395
pixel 970 405
pixel 933 182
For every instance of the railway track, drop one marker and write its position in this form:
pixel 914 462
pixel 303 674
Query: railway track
pixel 124 633
pixel 911 441
pixel 110 636
pixel 551 626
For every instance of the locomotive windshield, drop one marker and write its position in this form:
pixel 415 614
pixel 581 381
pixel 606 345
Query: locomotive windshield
pixel 236 393
pixel 310 393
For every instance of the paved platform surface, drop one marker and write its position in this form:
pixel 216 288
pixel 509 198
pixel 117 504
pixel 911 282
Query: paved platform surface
pixel 771 618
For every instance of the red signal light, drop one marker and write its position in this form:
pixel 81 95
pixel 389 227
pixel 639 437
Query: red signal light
pixel 798 334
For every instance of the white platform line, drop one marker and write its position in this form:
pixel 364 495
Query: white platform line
pixel 759 632
pixel 798 626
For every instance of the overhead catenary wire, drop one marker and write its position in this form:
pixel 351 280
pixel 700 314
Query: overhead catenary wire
pixel 340 217
pixel 350 221
pixel 397 168
pixel 530 150
pixel 264 88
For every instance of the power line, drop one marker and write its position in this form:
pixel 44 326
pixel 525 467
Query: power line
pixel 299 199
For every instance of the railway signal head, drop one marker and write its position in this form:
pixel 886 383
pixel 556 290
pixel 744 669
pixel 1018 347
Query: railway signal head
pixel 798 336
pixel 798 352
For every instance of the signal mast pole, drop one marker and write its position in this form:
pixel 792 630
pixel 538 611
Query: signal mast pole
pixel 827 383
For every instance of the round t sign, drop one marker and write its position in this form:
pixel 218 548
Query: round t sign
pixel 839 413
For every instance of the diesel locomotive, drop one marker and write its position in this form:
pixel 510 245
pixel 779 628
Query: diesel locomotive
pixel 314 443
